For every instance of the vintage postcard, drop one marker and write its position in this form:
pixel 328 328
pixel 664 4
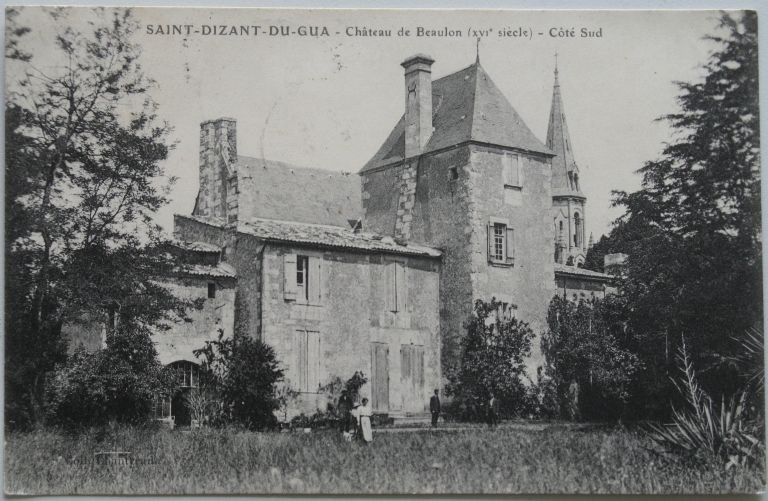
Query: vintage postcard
pixel 264 251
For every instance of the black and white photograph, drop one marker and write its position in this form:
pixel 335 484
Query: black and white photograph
pixel 382 251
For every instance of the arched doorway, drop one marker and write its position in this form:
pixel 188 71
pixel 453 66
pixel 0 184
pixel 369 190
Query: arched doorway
pixel 189 378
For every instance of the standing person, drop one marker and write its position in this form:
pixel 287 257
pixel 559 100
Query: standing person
pixel 434 407
pixel 345 407
pixel 363 414
pixel 493 411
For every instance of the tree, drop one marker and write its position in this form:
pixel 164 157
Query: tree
pixel 493 362
pixel 244 373
pixel 692 232
pixel 118 384
pixel 584 346
pixel 83 180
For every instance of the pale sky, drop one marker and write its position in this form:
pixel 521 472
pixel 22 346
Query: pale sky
pixel 330 101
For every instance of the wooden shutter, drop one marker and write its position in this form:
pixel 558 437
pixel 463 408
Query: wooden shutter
pixel 401 284
pixel 419 369
pixel 519 167
pixel 289 279
pixel 405 363
pixel 490 242
pixel 313 361
pixel 510 244
pixel 314 279
pixel 301 359
pixel 380 377
pixel 390 277
pixel 506 168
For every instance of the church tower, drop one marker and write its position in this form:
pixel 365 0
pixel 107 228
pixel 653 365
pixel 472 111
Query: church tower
pixel 568 201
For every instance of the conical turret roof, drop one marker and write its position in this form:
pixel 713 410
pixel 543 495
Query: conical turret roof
pixel 559 141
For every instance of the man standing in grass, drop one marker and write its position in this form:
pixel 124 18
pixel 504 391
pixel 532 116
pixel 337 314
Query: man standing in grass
pixel 345 406
pixel 493 411
pixel 434 407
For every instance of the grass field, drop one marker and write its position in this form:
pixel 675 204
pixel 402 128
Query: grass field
pixel 509 459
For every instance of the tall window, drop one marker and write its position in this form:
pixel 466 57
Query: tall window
pixel 307 357
pixel 499 250
pixel 500 243
pixel 577 233
pixel 303 278
pixel 511 164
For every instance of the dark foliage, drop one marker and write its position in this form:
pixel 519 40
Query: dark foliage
pixel 244 373
pixel 693 231
pixel 117 384
pixel 494 350
pixel 82 187
pixel 586 344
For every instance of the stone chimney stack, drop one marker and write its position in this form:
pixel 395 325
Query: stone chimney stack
pixel 218 175
pixel 418 103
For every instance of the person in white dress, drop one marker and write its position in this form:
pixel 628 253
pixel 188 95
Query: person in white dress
pixel 363 414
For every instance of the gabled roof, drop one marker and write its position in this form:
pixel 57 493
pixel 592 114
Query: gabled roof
pixel 559 141
pixel 276 190
pixel 467 106
pixel 329 236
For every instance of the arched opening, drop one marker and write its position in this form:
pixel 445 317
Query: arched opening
pixel 576 181
pixel 189 378
pixel 577 240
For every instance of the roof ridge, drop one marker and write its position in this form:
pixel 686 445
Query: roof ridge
pixel 293 166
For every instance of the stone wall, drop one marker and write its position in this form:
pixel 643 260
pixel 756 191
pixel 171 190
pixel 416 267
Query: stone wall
pixel 350 316
pixel 217 315
pixel 528 283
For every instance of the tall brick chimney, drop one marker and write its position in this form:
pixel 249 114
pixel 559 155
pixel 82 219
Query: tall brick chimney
pixel 218 175
pixel 418 103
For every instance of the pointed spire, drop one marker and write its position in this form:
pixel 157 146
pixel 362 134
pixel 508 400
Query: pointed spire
pixel 477 48
pixel 557 82
pixel 591 241
pixel 564 169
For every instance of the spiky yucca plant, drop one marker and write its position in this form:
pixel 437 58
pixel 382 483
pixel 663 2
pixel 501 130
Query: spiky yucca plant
pixel 700 430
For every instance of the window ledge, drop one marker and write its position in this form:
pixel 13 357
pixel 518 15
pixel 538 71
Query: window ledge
pixel 510 263
pixel 304 302
pixel 513 187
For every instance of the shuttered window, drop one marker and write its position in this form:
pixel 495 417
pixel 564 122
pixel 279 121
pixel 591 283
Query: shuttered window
pixel 307 358
pixel 397 287
pixel 512 167
pixel 501 243
pixel 303 278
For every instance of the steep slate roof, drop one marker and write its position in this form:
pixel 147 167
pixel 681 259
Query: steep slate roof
pixel 276 190
pixel 467 106
pixel 329 236
pixel 560 141
pixel 562 269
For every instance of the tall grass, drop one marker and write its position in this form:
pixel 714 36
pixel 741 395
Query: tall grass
pixel 467 460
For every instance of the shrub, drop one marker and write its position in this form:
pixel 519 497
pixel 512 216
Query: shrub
pixel 117 384
pixel 702 431
pixel 244 373
pixel 587 372
pixel 494 351
pixel 332 390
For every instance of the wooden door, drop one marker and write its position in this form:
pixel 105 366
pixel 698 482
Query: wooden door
pixel 380 377
pixel 412 377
